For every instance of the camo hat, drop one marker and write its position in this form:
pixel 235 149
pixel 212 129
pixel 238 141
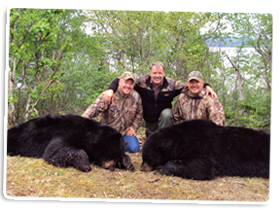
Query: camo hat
pixel 128 75
pixel 195 75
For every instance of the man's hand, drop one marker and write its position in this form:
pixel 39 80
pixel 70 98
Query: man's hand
pixel 130 131
pixel 211 91
pixel 108 95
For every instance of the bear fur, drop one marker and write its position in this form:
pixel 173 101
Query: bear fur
pixel 69 141
pixel 201 150
pixel 60 155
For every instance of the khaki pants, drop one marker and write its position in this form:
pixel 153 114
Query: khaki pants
pixel 165 119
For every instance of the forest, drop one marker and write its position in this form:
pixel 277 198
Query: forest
pixel 61 60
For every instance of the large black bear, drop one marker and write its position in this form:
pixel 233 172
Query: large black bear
pixel 201 150
pixel 69 140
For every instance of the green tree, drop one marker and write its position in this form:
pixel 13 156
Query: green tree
pixel 58 67
pixel 39 41
pixel 137 38
pixel 252 67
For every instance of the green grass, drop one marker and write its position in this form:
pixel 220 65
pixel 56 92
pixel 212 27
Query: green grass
pixel 29 177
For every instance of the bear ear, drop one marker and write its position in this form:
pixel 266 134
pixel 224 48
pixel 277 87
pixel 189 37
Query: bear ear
pixel 148 132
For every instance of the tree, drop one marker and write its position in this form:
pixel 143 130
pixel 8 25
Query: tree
pixel 58 67
pixel 136 38
pixel 39 41
pixel 251 34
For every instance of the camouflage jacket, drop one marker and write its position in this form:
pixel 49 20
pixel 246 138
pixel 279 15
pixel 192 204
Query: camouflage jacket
pixel 199 107
pixel 123 112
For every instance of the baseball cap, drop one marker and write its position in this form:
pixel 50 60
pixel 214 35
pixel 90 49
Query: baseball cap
pixel 195 75
pixel 128 75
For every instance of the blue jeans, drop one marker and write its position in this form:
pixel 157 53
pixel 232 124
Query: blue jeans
pixel 132 144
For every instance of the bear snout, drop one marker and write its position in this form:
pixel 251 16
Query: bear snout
pixel 146 167
pixel 109 165
pixel 85 168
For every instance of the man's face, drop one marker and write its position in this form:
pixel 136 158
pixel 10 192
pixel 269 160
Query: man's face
pixel 195 86
pixel 126 86
pixel 157 75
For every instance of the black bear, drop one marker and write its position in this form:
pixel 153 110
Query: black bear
pixel 69 140
pixel 201 150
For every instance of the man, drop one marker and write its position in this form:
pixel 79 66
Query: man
pixel 194 103
pixel 157 93
pixel 124 113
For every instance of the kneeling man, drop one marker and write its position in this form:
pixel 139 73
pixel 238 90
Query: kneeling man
pixel 124 113
pixel 193 103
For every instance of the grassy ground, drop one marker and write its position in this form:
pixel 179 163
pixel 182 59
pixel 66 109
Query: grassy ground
pixel 35 178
